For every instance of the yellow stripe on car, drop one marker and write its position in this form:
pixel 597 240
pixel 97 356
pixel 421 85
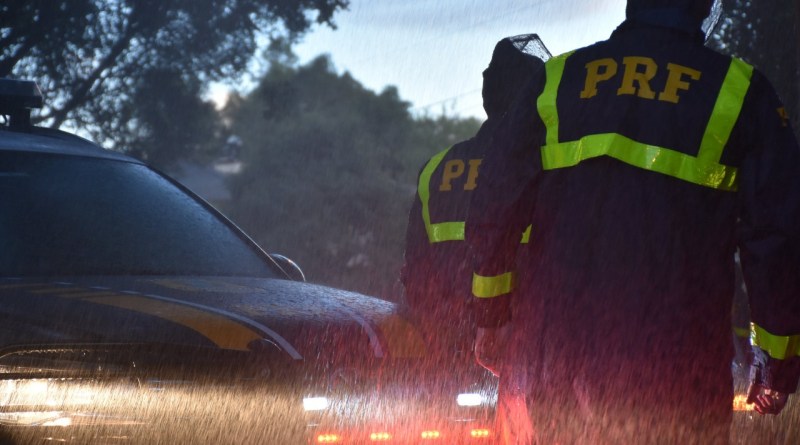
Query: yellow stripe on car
pixel 225 333
pixel 224 329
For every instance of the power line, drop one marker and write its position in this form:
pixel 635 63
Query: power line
pixel 448 99
pixel 464 28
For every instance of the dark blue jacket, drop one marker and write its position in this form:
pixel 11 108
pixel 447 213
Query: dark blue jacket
pixel 642 171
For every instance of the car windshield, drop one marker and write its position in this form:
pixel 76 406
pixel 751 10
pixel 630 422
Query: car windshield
pixel 66 215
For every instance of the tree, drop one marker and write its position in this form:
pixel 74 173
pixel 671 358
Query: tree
pixel 330 171
pixel 169 120
pixel 92 58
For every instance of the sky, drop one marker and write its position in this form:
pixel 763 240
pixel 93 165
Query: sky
pixel 434 51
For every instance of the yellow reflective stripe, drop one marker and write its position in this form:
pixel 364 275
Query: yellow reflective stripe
pixel 437 232
pixel 490 287
pixel 777 346
pixel 726 111
pixel 704 169
pixel 546 103
pixel 526 235
pixel 454 231
pixel 648 157
pixel 446 231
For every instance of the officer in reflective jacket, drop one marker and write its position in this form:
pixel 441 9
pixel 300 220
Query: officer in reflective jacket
pixel 646 159
pixel 435 275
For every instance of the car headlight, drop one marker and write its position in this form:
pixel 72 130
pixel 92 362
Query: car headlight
pixel 45 392
pixel 58 401
pixel 315 403
pixel 469 399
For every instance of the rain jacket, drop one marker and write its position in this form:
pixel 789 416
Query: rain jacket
pixel 436 274
pixel 642 162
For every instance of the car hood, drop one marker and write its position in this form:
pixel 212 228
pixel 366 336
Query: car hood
pixel 304 321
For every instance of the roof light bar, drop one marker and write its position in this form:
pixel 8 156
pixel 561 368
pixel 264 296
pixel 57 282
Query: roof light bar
pixel 17 98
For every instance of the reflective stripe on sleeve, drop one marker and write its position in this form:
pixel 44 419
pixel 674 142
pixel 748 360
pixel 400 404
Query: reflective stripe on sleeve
pixel 526 235
pixel 490 287
pixel 446 231
pixel 777 346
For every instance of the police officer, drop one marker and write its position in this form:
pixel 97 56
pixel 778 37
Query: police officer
pixel 647 159
pixel 435 275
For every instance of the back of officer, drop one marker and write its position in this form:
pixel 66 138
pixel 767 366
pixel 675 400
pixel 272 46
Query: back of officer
pixel 640 154
pixel 435 274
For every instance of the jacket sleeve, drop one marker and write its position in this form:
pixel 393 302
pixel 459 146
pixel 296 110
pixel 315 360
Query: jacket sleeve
pixel 500 209
pixel 768 237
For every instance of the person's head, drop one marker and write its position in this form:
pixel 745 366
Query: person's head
pixel 698 10
pixel 508 71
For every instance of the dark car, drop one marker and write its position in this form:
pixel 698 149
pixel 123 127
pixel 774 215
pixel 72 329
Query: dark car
pixel 133 312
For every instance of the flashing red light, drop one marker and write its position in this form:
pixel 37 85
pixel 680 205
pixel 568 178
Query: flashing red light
pixel 328 438
pixel 480 433
pixel 380 437
pixel 431 435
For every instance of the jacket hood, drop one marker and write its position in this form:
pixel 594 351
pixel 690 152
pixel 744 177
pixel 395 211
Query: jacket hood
pixel 689 16
pixel 696 10
pixel 508 71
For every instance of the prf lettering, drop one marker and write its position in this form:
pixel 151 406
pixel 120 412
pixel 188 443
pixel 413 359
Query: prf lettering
pixel 455 168
pixel 635 77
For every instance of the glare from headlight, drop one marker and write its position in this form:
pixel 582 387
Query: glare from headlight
pixel 315 403
pixel 469 399
pixel 30 418
pixel 44 392
pixel 61 421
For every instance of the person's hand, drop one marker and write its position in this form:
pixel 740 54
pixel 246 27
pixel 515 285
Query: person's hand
pixel 766 401
pixel 489 344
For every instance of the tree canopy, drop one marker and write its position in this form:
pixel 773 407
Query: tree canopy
pixel 94 58
pixel 330 172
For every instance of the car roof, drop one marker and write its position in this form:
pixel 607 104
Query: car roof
pixel 50 141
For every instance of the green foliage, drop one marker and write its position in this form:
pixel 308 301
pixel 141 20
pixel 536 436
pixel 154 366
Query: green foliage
pixel 330 172
pixel 94 58
pixel 172 121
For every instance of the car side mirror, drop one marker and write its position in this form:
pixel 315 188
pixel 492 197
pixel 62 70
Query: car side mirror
pixel 289 267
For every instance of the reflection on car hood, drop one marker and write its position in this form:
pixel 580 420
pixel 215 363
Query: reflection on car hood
pixel 303 320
